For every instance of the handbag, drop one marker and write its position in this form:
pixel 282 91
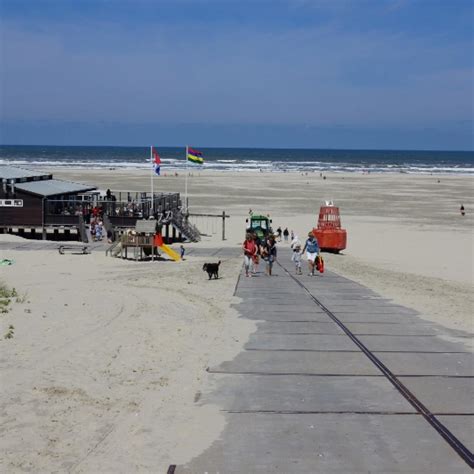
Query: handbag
pixel 320 264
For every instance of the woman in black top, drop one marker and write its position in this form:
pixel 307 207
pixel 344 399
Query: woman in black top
pixel 269 253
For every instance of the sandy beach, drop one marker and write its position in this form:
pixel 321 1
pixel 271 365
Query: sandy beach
pixel 108 356
pixel 107 361
pixel 406 237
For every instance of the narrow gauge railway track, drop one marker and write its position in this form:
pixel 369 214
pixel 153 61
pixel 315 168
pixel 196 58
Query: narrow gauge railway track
pixel 421 409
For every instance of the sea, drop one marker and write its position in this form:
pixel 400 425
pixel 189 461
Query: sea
pixel 243 159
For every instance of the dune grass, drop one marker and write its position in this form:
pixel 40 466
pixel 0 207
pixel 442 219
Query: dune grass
pixel 7 296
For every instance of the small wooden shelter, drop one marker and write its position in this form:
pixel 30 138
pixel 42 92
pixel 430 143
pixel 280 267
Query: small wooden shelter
pixel 141 240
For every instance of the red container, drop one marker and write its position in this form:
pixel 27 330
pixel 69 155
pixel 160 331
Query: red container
pixel 331 238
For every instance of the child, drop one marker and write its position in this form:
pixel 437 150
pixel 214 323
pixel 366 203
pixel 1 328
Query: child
pixel 256 256
pixel 98 231
pixel 255 261
pixel 296 257
pixel 93 226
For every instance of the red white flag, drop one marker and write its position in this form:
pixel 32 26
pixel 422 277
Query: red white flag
pixel 156 161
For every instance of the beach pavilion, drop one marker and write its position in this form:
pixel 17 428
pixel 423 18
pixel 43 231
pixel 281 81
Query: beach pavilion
pixel 34 204
pixel 32 201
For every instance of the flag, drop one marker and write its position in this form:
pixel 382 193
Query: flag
pixel 156 161
pixel 195 156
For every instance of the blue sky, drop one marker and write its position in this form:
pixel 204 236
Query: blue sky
pixel 282 73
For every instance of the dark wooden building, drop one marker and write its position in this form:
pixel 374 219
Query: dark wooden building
pixel 27 199
pixel 35 203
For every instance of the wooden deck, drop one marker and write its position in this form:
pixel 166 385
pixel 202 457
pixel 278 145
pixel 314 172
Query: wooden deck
pixel 69 217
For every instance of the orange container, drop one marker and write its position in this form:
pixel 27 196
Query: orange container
pixel 331 238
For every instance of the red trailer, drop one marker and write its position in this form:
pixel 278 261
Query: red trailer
pixel 331 238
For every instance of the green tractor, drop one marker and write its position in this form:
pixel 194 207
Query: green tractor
pixel 259 225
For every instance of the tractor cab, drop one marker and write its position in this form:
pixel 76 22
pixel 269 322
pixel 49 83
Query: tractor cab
pixel 259 225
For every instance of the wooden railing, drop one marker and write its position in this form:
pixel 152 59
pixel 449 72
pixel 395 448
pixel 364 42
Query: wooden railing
pixel 133 240
pixel 123 207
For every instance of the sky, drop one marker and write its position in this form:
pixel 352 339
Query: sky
pixel 384 74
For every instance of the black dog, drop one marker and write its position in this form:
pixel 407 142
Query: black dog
pixel 212 269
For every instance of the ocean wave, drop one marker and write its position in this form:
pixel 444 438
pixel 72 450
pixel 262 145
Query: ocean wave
pixel 278 166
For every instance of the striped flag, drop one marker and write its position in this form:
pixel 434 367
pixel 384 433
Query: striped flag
pixel 156 161
pixel 195 156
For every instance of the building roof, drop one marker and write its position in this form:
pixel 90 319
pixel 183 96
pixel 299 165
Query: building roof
pixel 12 172
pixel 53 187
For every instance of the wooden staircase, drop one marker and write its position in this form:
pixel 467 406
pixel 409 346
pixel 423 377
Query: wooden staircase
pixel 181 223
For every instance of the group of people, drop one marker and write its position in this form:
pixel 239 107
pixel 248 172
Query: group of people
pixel 255 249
pixel 311 247
pixel 285 233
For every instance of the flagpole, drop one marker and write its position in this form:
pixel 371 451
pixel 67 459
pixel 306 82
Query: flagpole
pixel 186 183
pixel 152 207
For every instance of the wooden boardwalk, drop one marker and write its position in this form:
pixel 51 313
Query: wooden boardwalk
pixel 338 379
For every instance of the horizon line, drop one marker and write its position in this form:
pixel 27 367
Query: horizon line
pixel 246 148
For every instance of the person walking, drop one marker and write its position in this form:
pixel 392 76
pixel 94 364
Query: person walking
pixel 462 210
pixel 278 232
pixel 256 256
pixel 296 256
pixel 292 235
pixel 99 228
pixel 250 249
pixel 312 250
pixel 269 254
pixel 286 233
pixel 92 228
